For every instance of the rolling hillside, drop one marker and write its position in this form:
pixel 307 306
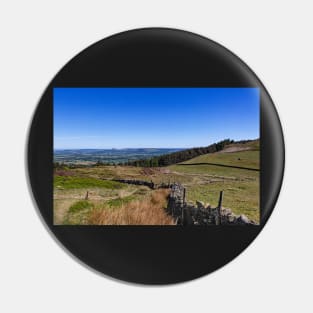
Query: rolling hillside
pixel 237 173
pixel 235 169
pixel 244 159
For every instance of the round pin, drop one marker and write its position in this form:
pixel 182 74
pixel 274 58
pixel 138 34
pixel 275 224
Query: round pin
pixel 155 156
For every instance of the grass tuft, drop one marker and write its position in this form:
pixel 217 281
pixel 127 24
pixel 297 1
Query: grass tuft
pixel 148 211
pixel 120 201
pixel 80 205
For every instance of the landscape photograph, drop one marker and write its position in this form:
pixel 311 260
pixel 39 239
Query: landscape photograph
pixel 156 156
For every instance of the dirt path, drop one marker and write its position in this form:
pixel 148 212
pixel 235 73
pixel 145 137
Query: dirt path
pixel 60 208
pixel 62 202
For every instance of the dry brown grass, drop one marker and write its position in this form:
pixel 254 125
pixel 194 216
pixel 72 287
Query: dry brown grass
pixel 148 211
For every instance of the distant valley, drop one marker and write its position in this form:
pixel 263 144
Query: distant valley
pixel 92 156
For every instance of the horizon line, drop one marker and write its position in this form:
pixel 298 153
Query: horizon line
pixel 124 148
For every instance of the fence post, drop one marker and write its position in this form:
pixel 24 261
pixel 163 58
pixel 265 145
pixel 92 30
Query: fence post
pixel 219 207
pixel 87 194
pixel 184 197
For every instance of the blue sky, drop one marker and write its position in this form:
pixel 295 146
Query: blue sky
pixel 153 117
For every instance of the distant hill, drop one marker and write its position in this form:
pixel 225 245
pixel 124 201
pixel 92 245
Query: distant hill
pixel 226 145
pixel 90 157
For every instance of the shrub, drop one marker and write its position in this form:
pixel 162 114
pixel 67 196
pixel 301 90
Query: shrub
pixel 80 205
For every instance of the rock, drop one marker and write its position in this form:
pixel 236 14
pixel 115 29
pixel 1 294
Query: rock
pixel 194 211
pixel 214 211
pixel 226 211
pixel 217 220
pixel 244 219
pixel 200 204
pixel 231 218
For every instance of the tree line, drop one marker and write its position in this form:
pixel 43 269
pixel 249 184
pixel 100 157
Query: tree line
pixel 179 156
pixel 162 160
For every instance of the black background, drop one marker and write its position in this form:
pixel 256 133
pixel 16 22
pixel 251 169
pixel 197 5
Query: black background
pixel 154 58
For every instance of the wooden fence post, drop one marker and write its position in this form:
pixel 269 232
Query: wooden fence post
pixel 220 199
pixel 219 207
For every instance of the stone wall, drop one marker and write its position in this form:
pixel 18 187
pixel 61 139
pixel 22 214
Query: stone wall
pixel 136 182
pixel 189 214
pixel 200 214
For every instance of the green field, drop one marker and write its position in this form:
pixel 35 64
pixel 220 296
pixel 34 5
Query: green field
pixel 247 159
pixel 240 185
pixel 74 182
pixel 235 171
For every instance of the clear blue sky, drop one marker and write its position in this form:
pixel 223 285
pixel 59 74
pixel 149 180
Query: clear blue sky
pixel 153 117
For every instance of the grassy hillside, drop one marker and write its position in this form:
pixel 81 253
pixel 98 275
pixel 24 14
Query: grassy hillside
pixel 245 159
pixel 234 170
pixel 237 173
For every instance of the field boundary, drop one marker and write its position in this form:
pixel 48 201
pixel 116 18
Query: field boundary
pixel 222 165
pixel 187 214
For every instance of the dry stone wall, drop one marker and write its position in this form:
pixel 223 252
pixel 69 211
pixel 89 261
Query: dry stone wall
pixel 189 214
pixel 201 214
pixel 136 182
